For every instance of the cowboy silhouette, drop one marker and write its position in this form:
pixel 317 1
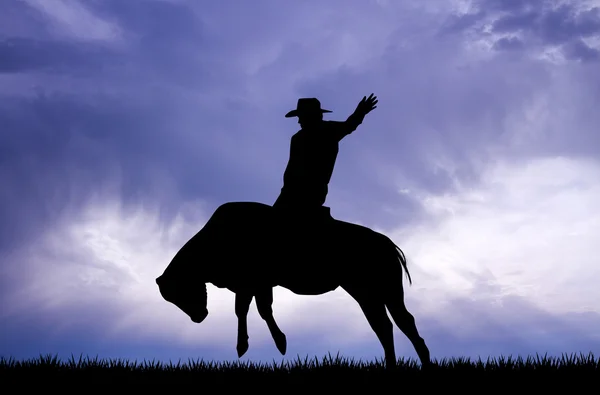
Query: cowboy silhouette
pixel 313 151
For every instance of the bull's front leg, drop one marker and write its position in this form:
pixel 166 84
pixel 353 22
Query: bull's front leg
pixel 264 303
pixel 242 306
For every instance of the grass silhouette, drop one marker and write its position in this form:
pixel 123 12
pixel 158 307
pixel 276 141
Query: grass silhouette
pixel 318 374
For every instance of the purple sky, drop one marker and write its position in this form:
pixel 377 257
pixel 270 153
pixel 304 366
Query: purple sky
pixel 124 124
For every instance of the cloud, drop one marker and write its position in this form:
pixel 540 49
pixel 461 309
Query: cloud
pixel 530 229
pixel 57 57
pixel 539 27
pixel 516 253
pixel 73 19
pixel 186 100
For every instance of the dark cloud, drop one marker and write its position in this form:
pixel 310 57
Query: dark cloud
pixel 537 24
pixel 167 38
pixel 162 43
pixel 578 50
pixel 509 44
pixel 18 19
pixel 513 23
pixel 26 44
pixel 564 24
pixel 122 113
pixel 509 5
pixel 459 23
pixel 57 57
pixel 56 150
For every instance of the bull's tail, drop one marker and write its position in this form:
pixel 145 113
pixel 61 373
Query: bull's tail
pixel 401 259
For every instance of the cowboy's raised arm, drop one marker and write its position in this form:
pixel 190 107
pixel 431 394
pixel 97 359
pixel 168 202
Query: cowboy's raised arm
pixel 366 105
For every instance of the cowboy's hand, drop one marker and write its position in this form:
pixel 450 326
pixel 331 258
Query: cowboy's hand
pixel 367 104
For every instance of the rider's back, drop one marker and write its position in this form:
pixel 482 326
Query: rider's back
pixel 313 152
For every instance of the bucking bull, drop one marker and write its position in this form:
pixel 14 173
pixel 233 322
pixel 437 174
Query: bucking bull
pixel 246 248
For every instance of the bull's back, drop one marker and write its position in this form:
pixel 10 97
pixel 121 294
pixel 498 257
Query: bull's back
pixel 217 251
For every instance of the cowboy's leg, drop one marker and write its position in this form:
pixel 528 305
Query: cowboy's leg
pixel 242 306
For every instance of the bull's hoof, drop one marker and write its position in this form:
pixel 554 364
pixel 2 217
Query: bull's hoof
pixel 424 355
pixel 242 347
pixel 391 364
pixel 281 343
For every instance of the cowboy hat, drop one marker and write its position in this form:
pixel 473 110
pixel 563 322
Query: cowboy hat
pixel 306 106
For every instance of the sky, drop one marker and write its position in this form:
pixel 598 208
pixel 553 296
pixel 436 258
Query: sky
pixel 125 124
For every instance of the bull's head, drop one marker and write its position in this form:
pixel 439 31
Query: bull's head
pixel 182 283
pixel 188 295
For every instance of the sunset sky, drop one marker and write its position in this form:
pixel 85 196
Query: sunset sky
pixel 125 123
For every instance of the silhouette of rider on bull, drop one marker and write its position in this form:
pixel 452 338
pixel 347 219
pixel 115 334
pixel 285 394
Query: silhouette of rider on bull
pixel 313 151
pixel 237 248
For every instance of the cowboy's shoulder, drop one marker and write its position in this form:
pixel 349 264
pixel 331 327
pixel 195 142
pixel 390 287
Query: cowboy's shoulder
pixel 332 124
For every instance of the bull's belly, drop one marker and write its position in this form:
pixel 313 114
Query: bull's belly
pixel 303 289
pixel 297 284
pixel 307 280
pixel 310 289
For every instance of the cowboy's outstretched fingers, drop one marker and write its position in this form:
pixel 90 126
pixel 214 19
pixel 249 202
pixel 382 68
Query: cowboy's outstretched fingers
pixel 370 104
pixel 367 104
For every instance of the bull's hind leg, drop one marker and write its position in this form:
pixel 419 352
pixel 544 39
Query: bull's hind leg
pixel 264 304
pixel 373 307
pixel 406 322
pixel 242 306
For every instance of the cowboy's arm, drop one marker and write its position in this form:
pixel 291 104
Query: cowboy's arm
pixel 343 128
pixel 365 106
